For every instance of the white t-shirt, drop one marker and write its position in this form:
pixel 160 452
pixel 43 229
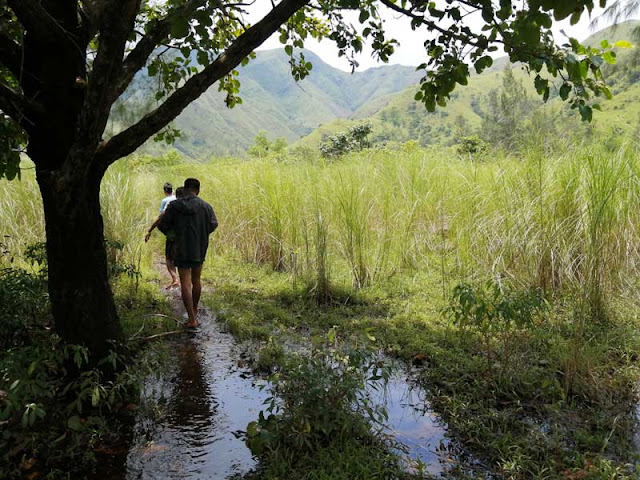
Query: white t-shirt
pixel 166 201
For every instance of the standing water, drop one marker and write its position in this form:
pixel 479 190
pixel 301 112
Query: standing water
pixel 207 397
pixel 412 424
pixel 208 400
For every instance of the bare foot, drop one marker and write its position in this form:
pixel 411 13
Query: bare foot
pixel 191 324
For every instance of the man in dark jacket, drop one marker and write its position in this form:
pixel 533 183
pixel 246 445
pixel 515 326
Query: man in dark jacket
pixel 193 220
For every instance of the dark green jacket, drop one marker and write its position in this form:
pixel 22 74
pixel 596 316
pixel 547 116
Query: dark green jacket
pixel 192 219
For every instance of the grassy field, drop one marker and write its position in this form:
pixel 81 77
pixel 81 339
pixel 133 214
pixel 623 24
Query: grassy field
pixel 510 282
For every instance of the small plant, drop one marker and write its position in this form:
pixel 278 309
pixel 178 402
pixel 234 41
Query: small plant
pixel 471 145
pixel 318 400
pixel 23 299
pixel 493 309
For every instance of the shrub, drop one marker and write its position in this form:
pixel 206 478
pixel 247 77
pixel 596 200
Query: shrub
pixel 471 145
pixel 318 400
pixel 353 140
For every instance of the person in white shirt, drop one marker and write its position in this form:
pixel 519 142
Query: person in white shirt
pixel 169 246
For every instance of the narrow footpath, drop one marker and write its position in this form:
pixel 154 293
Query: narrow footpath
pixel 206 397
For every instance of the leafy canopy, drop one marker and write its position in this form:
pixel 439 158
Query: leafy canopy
pixel 186 45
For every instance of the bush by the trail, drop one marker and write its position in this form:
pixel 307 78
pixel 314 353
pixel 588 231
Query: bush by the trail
pixel 23 299
pixel 320 408
pixel 53 406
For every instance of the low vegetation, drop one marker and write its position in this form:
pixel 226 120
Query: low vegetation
pixel 507 281
pixel 60 413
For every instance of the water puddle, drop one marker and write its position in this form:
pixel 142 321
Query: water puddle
pixel 412 424
pixel 208 395
pixel 208 398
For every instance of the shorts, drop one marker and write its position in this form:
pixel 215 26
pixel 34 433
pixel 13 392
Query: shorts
pixel 170 249
pixel 187 264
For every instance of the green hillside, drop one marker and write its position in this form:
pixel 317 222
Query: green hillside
pixel 400 118
pixel 274 102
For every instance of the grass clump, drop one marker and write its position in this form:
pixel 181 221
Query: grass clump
pixel 321 423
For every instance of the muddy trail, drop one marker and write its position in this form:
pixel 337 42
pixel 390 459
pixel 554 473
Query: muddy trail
pixel 204 399
pixel 190 416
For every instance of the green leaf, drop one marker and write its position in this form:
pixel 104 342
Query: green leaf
pixel 585 112
pixel 180 27
pixel 609 57
pixel 541 84
pixel 74 423
pixel 623 44
pixel 288 49
pixel 252 429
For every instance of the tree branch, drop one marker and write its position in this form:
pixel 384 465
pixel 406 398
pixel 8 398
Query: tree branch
pixel 159 30
pixel 10 55
pixel 114 28
pixel 430 24
pixel 133 137
pixel 15 105
pixel 92 12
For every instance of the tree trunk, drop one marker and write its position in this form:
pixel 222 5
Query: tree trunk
pixel 81 298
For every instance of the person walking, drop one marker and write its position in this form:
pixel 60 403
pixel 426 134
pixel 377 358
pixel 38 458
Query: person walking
pixel 169 246
pixel 193 220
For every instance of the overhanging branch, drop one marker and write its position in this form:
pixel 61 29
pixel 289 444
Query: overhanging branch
pixel 15 105
pixel 159 31
pixel 133 137
pixel 431 25
pixel 114 28
pixel 10 55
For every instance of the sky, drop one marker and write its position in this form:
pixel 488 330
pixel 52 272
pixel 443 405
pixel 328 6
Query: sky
pixel 410 51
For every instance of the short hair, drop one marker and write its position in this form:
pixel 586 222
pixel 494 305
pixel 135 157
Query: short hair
pixel 192 184
pixel 180 192
pixel 168 188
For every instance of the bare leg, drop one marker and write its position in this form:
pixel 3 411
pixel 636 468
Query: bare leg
pixel 197 287
pixel 172 271
pixel 187 297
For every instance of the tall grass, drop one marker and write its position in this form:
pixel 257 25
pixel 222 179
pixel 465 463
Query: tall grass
pixel 565 224
pixel 128 208
pixel 21 218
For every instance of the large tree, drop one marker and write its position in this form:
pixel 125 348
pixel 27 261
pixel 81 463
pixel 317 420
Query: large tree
pixel 64 63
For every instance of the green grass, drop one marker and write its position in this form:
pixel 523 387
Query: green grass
pixel 372 245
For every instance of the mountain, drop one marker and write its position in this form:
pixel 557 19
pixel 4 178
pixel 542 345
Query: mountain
pixel 400 118
pixel 274 102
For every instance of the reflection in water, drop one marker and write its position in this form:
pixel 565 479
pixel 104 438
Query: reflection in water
pixel 209 400
pixel 412 424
